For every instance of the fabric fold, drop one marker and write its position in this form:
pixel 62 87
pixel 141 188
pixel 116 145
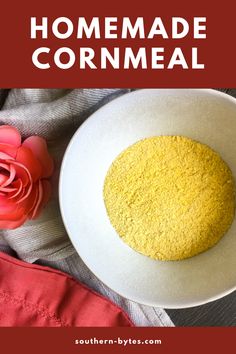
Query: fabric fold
pixel 36 296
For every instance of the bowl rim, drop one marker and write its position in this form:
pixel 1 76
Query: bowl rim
pixel 60 189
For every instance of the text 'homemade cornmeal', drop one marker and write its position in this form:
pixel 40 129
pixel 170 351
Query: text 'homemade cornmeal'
pixel 170 197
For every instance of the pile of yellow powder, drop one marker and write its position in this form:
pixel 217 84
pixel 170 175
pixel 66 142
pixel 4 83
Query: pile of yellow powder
pixel 170 197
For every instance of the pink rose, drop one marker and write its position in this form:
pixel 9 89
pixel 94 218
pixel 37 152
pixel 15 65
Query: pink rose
pixel 24 169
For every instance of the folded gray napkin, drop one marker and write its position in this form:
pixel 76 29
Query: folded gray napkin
pixel 56 114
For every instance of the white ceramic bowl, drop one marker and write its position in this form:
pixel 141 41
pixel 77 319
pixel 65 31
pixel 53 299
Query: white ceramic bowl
pixel 204 115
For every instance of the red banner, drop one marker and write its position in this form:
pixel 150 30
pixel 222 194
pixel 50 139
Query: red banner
pixel 118 340
pixel 122 44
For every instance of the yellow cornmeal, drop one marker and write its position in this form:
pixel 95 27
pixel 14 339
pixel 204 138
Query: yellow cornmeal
pixel 170 197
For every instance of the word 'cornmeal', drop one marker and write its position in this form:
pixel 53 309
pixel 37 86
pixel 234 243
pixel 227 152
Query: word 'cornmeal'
pixel 170 197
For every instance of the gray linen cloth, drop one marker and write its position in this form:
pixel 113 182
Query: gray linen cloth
pixel 55 114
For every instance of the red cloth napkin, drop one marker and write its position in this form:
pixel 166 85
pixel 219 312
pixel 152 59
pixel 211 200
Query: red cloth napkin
pixel 32 295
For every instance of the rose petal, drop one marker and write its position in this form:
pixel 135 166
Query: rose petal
pixel 5 166
pixel 29 203
pixel 26 179
pixel 38 146
pixel 10 173
pixel 10 225
pixel 11 215
pixel 36 196
pixel 4 156
pixel 8 149
pixel 7 189
pixel 42 201
pixel 22 173
pixel 18 185
pixel 16 214
pixel 19 196
pixel 10 135
pixel 26 158
pixel 6 206
pixel 3 178
pixel 25 193
pixel 38 201
pixel 11 176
